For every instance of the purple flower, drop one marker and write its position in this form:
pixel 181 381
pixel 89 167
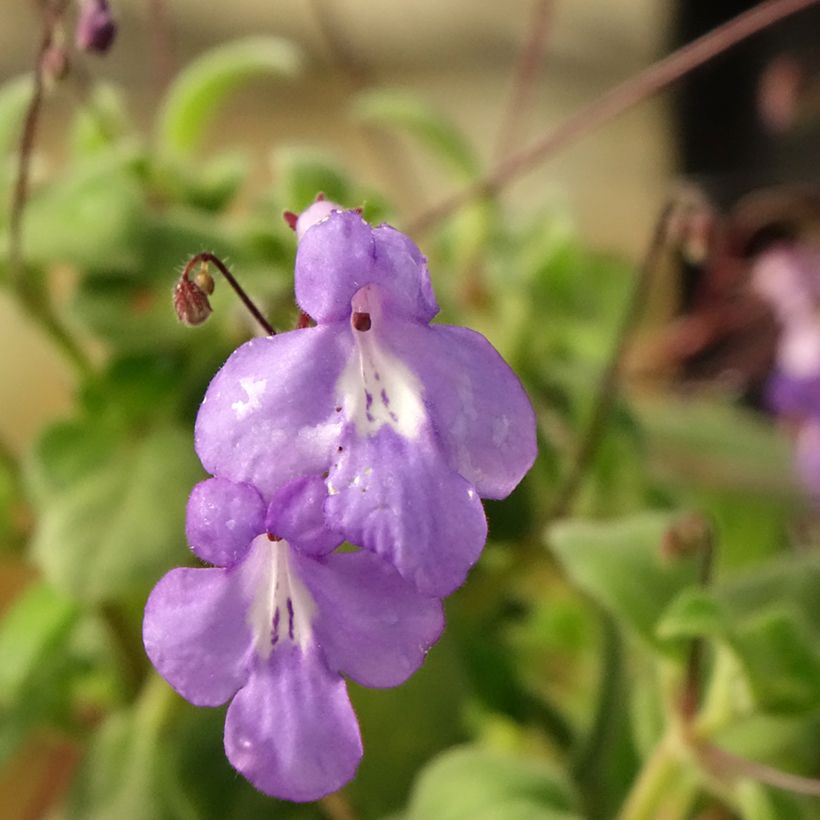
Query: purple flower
pixel 274 626
pixel 96 28
pixel 408 424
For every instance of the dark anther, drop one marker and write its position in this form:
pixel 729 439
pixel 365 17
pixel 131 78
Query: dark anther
pixel 272 537
pixel 361 321
pixel 291 219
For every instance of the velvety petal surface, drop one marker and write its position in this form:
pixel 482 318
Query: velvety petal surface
pixel 398 497
pixel 223 518
pixel 372 625
pixel 296 513
pixel 476 404
pixel 195 634
pixel 292 730
pixel 268 416
pixel 342 254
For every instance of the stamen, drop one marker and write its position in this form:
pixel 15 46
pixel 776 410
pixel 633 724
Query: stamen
pixel 361 321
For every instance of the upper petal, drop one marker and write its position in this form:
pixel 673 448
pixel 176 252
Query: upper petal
pixel 291 730
pixel 398 497
pixel 342 254
pixel 268 416
pixel 223 518
pixel 296 513
pixel 372 625
pixel 476 404
pixel 195 634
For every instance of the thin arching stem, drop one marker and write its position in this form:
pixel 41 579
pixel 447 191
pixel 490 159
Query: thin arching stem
pixel 615 102
pixel 210 258
pixel 526 70
pixel 52 15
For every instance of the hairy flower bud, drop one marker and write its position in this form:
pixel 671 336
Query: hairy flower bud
pixel 191 302
pixel 96 29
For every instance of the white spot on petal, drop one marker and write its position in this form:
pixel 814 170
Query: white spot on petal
pixel 254 389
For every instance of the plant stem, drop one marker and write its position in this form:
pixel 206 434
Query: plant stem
pixel 163 43
pixel 529 60
pixel 610 378
pixel 210 258
pixel 615 102
pixel 52 14
pixel 660 790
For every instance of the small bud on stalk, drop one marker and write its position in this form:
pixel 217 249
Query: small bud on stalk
pixel 96 29
pixel 191 302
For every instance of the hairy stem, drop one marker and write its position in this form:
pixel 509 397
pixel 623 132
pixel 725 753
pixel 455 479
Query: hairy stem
pixel 210 258
pixel 615 102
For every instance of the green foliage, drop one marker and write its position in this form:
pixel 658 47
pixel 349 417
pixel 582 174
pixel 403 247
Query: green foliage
pixel 617 562
pixel 114 526
pixel 475 784
pixel 191 101
pixel 412 114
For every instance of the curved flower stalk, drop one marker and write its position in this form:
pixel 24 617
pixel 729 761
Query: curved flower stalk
pixel 274 625
pixel 408 424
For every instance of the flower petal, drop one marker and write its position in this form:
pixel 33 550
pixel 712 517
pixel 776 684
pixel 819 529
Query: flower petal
pixel 268 416
pixel 399 498
pixel 223 518
pixel 292 731
pixel 195 634
pixel 371 624
pixel 342 254
pixel 476 403
pixel 296 513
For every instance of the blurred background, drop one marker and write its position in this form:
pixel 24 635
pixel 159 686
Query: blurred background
pixel 150 153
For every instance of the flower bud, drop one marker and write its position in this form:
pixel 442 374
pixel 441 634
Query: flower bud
pixel 96 28
pixel 191 302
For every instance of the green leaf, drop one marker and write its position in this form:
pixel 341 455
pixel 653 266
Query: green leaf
pixel 409 113
pixel 693 613
pixel 718 444
pixel 198 90
pixel 93 217
pixel 621 565
pixel 100 122
pixel 15 96
pixel 470 783
pixel 118 526
pixel 782 659
pixel 37 622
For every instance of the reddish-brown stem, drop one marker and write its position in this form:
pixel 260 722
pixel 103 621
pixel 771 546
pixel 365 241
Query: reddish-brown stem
pixel 163 44
pixel 615 102
pixel 529 60
pixel 721 761
pixel 210 258
pixel 52 14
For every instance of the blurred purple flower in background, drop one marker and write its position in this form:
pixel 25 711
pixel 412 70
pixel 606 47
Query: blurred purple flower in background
pixel 787 277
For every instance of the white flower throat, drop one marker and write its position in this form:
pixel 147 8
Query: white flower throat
pixel 281 607
pixel 376 388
